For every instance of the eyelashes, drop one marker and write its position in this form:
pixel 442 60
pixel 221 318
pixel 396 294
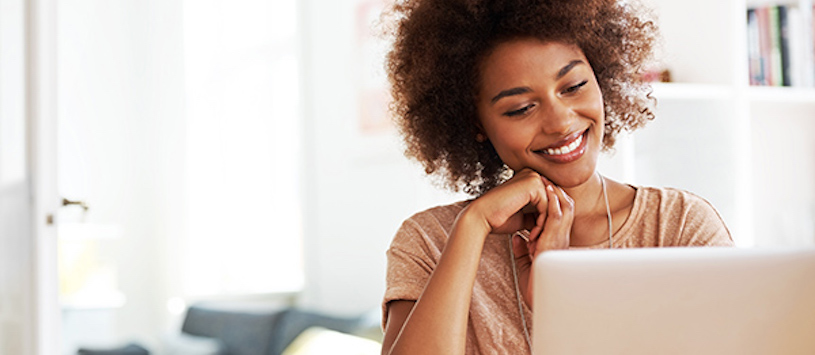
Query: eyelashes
pixel 568 91
pixel 572 89
pixel 519 111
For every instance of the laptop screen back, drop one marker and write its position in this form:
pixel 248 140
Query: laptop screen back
pixel 675 301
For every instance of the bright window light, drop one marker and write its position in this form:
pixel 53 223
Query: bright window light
pixel 243 147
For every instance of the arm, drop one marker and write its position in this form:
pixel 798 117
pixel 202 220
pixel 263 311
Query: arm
pixel 437 322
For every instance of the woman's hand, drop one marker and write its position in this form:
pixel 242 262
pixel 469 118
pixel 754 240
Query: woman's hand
pixel 555 235
pixel 524 202
pixel 528 201
pixel 521 203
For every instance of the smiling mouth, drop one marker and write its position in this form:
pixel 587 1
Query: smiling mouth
pixel 569 151
pixel 565 149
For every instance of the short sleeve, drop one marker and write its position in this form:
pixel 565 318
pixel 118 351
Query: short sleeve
pixel 411 259
pixel 703 225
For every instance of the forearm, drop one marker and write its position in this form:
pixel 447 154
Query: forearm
pixel 438 322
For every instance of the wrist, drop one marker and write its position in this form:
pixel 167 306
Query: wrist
pixel 473 220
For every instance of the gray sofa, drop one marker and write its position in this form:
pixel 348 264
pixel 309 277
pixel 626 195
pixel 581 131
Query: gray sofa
pixel 266 332
pixel 213 330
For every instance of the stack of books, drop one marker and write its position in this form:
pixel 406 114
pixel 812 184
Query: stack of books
pixel 780 45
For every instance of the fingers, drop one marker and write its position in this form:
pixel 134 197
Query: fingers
pixel 527 201
pixel 516 204
pixel 520 247
pixel 554 202
pixel 540 200
pixel 567 204
pixel 556 228
pixel 544 208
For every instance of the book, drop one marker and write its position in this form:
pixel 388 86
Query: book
pixel 780 47
pixel 776 71
pixel 754 49
pixel 784 46
pixel 764 44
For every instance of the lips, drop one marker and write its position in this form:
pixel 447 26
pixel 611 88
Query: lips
pixel 567 150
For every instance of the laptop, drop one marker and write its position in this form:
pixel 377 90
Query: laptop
pixel 675 301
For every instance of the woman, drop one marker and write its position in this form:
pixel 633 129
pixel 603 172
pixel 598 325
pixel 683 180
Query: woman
pixel 513 101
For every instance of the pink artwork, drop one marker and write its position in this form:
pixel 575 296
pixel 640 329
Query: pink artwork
pixel 372 81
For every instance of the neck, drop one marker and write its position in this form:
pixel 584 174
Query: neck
pixel 588 197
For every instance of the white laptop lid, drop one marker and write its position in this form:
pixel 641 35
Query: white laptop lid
pixel 675 301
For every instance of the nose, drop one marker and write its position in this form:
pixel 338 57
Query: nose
pixel 557 118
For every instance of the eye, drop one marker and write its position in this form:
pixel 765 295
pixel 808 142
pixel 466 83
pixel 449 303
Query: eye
pixel 520 111
pixel 575 88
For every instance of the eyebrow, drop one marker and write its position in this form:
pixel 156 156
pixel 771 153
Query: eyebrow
pixel 510 92
pixel 563 71
pixel 525 89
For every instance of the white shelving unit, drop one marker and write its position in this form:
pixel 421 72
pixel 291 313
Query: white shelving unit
pixel 692 91
pixel 776 95
pixel 749 150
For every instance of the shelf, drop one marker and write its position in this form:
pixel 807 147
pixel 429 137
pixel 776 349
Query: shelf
pixel 781 94
pixel 686 91
pixel 757 94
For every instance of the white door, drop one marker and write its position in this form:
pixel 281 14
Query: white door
pixel 29 310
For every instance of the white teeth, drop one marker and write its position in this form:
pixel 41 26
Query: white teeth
pixel 566 149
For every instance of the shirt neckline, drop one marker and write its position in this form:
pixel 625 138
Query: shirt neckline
pixel 622 234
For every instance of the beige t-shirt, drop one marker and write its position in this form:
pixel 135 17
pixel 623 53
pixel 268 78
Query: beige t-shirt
pixel 659 218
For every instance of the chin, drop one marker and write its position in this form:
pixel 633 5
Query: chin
pixel 568 178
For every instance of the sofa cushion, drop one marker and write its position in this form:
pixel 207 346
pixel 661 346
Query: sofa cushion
pixel 295 321
pixel 319 341
pixel 242 332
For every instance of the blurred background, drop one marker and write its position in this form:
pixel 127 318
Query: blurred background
pixel 240 151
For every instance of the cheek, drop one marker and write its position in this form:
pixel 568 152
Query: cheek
pixel 594 107
pixel 510 141
pixel 599 100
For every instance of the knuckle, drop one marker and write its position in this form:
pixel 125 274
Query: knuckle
pixel 569 204
pixel 531 175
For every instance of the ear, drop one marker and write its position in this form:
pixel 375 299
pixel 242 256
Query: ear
pixel 480 137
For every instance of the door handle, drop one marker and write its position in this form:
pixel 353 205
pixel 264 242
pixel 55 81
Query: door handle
pixel 67 202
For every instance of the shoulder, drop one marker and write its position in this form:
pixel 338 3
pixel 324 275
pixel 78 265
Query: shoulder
pixel 671 198
pixel 675 202
pixel 693 220
pixel 444 214
pixel 429 227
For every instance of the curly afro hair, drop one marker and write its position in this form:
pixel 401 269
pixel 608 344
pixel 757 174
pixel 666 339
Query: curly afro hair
pixel 433 72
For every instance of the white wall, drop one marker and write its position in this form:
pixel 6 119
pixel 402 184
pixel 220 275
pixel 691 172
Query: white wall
pixel 17 254
pixel 783 175
pixel 359 187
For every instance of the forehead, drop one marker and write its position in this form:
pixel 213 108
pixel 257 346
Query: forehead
pixel 523 59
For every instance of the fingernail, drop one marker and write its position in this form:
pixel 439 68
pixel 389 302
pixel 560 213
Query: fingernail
pixel 549 187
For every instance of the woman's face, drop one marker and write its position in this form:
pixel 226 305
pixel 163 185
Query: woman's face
pixel 540 106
